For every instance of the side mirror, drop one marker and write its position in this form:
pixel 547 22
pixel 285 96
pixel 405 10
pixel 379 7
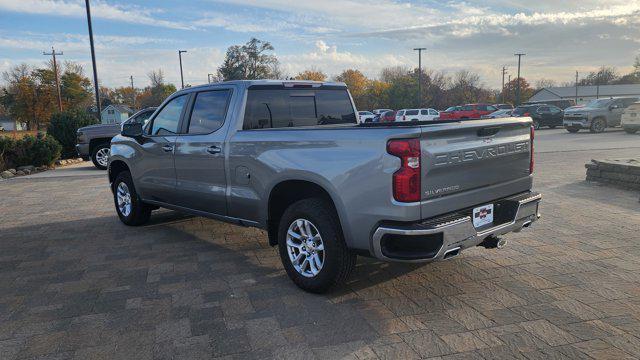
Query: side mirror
pixel 131 129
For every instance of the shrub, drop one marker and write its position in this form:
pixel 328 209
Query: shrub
pixel 63 127
pixel 30 150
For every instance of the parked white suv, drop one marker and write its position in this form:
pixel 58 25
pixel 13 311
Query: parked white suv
pixel 365 116
pixel 631 118
pixel 417 115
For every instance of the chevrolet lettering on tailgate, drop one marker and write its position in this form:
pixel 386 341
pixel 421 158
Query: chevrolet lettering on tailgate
pixel 456 157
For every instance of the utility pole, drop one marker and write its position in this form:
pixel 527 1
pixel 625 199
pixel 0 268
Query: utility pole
pixel 53 53
pixel 576 87
pixel 209 76
pixel 504 72
pixel 180 57
pixel 519 55
pixel 420 75
pixel 93 59
pixel 598 83
pixel 133 92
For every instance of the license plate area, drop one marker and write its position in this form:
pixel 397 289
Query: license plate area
pixel 482 215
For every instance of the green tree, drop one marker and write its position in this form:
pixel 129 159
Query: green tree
pixel 252 60
pixel 63 127
pixel 75 87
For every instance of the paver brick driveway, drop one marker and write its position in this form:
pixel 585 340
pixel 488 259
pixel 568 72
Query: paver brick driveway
pixel 76 283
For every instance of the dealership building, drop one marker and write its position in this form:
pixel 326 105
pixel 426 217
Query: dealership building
pixel 584 93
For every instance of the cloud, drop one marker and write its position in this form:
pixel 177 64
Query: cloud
pixel 101 9
pixel 332 61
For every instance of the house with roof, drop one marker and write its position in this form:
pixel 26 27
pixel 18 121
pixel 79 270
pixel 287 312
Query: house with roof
pixel 115 114
pixel 584 94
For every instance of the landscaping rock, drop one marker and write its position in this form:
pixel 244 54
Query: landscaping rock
pixel 20 173
pixel 30 168
pixel 13 171
pixel 7 174
pixel 624 173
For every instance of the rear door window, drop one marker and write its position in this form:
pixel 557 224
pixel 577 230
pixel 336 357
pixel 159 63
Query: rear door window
pixel 277 108
pixel 412 112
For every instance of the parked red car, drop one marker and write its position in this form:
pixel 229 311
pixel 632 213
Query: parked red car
pixel 468 111
pixel 389 116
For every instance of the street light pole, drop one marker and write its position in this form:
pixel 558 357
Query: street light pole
pixel 519 55
pixel 420 75
pixel 181 75
pixel 93 58
pixel 576 87
pixel 504 72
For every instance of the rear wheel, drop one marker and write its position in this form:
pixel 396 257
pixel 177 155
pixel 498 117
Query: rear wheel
pixel 552 126
pixel 598 125
pixel 630 130
pixel 312 247
pixel 573 130
pixel 130 208
pixel 100 156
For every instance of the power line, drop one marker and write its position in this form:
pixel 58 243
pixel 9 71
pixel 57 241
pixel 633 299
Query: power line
pixel 53 53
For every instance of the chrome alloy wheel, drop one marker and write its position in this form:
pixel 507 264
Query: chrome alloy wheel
pixel 124 199
pixel 102 156
pixel 305 248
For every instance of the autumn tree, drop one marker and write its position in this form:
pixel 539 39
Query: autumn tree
pixel 526 91
pixel 357 84
pixel 155 94
pixel 311 74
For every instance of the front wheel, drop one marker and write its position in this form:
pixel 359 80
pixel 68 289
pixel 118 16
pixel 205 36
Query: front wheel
pixel 312 247
pixel 598 125
pixel 573 130
pixel 130 208
pixel 100 156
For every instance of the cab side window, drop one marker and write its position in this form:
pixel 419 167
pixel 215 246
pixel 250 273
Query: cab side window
pixel 168 119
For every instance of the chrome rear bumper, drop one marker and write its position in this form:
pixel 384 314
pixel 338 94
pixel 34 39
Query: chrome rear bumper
pixel 456 230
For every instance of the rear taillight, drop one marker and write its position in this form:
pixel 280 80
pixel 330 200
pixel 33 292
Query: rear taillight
pixel 406 181
pixel 531 158
pixel 526 114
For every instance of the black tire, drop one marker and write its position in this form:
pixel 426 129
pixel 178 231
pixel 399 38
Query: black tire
pixel 339 261
pixel 573 130
pixel 95 153
pixel 552 126
pixel 140 212
pixel 629 130
pixel 598 125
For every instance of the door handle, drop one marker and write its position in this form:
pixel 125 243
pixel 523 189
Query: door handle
pixel 214 149
pixel 167 148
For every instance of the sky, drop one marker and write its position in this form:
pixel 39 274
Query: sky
pixel 134 37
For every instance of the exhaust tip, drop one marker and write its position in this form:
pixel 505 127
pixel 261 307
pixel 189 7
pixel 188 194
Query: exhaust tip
pixel 452 253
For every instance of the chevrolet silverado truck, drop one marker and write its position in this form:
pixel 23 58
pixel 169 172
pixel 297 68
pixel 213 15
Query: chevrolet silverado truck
pixel 597 115
pixel 289 157
pixel 94 141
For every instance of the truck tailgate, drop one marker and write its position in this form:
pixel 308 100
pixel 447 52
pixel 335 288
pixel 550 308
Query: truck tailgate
pixel 487 158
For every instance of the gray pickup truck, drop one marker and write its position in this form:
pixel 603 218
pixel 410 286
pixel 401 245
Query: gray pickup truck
pixel 93 141
pixel 289 157
pixel 597 114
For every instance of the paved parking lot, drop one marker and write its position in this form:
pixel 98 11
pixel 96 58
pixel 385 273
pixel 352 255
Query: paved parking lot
pixel 76 283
